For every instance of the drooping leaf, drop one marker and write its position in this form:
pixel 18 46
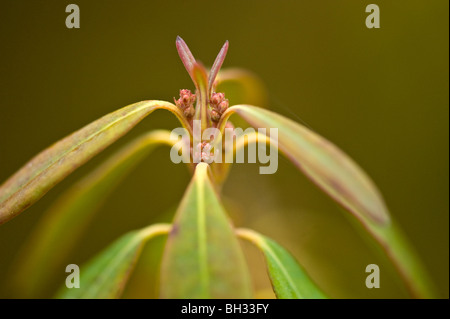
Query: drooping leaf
pixel 325 164
pixel 106 275
pixel 202 258
pixel 289 279
pixel 53 164
pixel 65 221
pixel 396 246
pixel 342 179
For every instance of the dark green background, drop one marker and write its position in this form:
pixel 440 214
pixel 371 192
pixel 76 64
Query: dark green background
pixel 379 94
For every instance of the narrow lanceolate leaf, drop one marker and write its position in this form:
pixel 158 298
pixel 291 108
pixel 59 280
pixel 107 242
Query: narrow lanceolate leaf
pixel 289 279
pixel 106 275
pixel 343 180
pixel 202 107
pixel 217 65
pixel 202 258
pixel 64 223
pixel 330 168
pixel 185 55
pixel 52 165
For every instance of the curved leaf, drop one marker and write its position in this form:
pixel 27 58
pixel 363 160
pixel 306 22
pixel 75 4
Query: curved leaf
pixel 106 275
pixel 397 247
pixel 348 184
pixel 329 167
pixel 45 251
pixel 289 280
pixel 52 165
pixel 202 257
pixel 221 170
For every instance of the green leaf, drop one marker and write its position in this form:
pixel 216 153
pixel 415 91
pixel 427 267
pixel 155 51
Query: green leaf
pixel 45 251
pixel 202 258
pixel 289 279
pixel 396 246
pixel 325 164
pixel 55 163
pixel 106 275
pixel 342 179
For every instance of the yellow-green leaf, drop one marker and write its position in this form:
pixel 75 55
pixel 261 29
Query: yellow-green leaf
pixel 64 223
pixel 289 279
pixel 341 178
pixel 53 164
pixel 201 84
pixel 106 275
pixel 324 163
pixel 203 258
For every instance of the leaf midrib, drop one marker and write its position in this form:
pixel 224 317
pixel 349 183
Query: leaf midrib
pixel 269 250
pixel 201 237
pixel 133 244
pixel 52 163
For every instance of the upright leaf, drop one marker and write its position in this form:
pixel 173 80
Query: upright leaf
pixel 202 107
pixel 217 65
pixel 65 221
pixel 289 279
pixel 106 275
pixel 202 258
pixel 185 55
pixel 52 165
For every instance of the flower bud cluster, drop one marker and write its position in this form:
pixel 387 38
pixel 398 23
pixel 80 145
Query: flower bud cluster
pixel 219 104
pixel 186 103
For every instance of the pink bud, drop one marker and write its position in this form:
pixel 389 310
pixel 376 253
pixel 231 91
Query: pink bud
pixel 223 106
pixel 215 116
pixel 215 100
pixel 186 102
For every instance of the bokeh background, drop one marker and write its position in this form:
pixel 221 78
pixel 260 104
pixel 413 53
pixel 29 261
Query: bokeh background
pixel 379 94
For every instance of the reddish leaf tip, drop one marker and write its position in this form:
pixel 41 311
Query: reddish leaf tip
pixel 217 64
pixel 185 55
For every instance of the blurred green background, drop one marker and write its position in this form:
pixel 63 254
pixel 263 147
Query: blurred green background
pixel 379 94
